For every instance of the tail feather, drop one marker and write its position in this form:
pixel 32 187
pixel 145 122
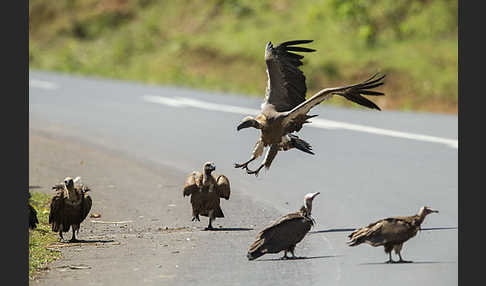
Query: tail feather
pixel 301 144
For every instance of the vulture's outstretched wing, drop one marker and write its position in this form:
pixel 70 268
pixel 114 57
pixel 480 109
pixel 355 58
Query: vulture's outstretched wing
pixel 281 235
pixel 286 83
pixel 223 187
pixel 381 232
pixel 297 116
pixel 190 185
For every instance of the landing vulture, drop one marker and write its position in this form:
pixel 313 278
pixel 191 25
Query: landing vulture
pixel 69 207
pixel 285 108
pixel 206 190
pixel 391 232
pixel 33 221
pixel 285 233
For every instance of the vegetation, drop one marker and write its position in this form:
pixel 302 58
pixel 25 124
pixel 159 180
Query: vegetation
pixel 41 237
pixel 219 45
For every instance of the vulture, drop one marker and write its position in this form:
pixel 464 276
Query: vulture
pixel 69 206
pixel 285 108
pixel 390 233
pixel 33 221
pixel 285 233
pixel 206 190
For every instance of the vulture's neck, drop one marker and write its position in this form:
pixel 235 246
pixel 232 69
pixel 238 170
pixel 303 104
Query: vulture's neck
pixel 420 218
pixel 206 177
pixel 71 194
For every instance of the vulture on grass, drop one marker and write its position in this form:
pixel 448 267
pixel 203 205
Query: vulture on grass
pixel 206 190
pixel 33 221
pixel 70 205
pixel 285 233
pixel 285 108
pixel 391 232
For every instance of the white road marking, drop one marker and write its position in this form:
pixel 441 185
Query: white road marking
pixel 316 122
pixel 42 84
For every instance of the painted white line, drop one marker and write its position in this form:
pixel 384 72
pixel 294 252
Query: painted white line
pixel 316 122
pixel 42 84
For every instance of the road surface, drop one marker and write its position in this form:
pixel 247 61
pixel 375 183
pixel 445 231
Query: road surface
pixel 368 165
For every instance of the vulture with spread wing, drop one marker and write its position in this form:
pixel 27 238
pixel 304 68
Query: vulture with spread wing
pixel 70 205
pixel 285 108
pixel 391 232
pixel 33 221
pixel 206 190
pixel 285 233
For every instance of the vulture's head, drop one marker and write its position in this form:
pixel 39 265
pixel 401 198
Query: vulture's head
pixel 308 201
pixel 208 167
pixel 248 122
pixel 425 210
pixel 69 183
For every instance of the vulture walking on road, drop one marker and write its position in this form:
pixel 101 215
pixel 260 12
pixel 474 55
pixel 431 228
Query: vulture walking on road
pixel 285 108
pixel 70 205
pixel 285 233
pixel 206 190
pixel 390 233
pixel 33 221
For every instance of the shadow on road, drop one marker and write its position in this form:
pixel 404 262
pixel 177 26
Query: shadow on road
pixel 35 187
pixel 298 258
pixel 353 229
pixel 413 262
pixel 333 230
pixel 230 229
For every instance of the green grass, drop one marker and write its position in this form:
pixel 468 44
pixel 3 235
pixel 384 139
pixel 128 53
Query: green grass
pixel 41 237
pixel 219 45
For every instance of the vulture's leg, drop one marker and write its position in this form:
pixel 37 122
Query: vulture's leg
pixel 271 153
pixel 390 260
pixel 211 218
pixel 245 165
pixel 73 238
pixel 291 249
pixel 60 236
pixel 285 255
pixel 196 217
pixel 398 249
pixel 257 152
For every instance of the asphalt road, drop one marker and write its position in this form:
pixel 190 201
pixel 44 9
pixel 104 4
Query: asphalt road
pixel 368 165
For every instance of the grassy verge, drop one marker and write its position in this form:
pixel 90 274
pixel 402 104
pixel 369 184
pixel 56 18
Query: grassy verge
pixel 219 45
pixel 41 237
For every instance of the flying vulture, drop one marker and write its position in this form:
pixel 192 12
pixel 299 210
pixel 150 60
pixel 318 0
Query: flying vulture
pixel 391 232
pixel 285 108
pixel 285 233
pixel 33 221
pixel 69 207
pixel 206 190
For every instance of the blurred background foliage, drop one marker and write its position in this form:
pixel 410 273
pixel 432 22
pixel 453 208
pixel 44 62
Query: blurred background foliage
pixel 219 45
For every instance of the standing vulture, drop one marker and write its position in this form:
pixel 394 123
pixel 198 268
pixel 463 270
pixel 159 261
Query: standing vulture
pixel 206 190
pixel 285 109
pixel 285 233
pixel 69 207
pixel 391 232
pixel 33 221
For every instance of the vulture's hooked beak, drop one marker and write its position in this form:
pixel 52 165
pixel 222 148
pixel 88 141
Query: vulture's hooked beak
pixel 433 211
pixel 213 167
pixel 314 195
pixel 245 123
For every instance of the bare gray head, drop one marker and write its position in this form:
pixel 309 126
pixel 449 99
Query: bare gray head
pixel 425 210
pixel 69 183
pixel 208 167
pixel 248 122
pixel 308 201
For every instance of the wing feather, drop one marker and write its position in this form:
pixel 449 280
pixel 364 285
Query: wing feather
pixel 223 187
pixel 190 185
pixel 286 86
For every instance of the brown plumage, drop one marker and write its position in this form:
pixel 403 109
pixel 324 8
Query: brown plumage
pixel 69 206
pixel 206 190
pixel 285 233
pixel 285 108
pixel 33 221
pixel 391 232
